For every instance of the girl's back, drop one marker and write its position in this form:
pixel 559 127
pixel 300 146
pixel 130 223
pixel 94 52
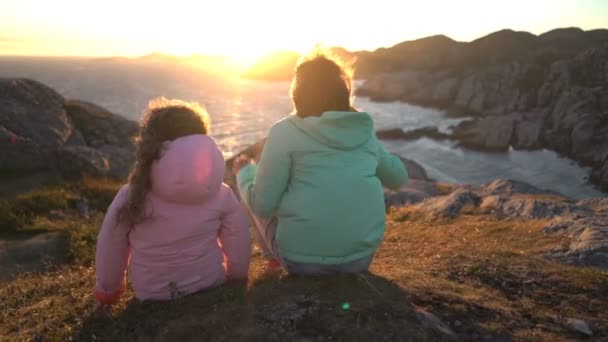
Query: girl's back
pixel 178 243
pixel 175 227
pixel 326 173
pixel 321 174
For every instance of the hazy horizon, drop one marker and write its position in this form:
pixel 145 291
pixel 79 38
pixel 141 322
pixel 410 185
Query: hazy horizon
pixel 199 54
pixel 246 30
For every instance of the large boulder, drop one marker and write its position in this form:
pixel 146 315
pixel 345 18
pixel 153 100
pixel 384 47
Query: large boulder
pixel 588 243
pixel 450 205
pixel 509 187
pixel 416 190
pixel 78 160
pixel 111 135
pixel 40 130
pixel 596 204
pixel 120 159
pixel 424 132
pixel 33 124
pixel 493 133
pixel 526 207
pixel 100 127
pixel 415 170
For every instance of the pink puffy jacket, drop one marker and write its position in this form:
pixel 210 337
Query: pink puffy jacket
pixel 195 235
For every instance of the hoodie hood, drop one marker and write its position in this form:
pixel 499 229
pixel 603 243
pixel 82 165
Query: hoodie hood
pixel 190 170
pixel 341 130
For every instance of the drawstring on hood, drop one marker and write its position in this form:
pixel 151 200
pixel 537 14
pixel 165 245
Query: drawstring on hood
pixel 340 130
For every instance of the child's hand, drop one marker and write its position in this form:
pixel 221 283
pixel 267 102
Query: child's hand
pixel 240 162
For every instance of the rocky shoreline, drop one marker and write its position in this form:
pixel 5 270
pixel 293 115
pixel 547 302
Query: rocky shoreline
pixel 523 91
pixel 41 131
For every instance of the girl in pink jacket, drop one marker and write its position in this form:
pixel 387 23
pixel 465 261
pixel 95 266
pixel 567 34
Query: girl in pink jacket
pixel 175 226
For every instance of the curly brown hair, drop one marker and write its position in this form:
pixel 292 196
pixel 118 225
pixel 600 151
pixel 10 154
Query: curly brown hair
pixel 164 120
pixel 321 83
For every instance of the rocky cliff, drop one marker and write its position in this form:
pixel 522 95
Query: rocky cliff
pixel 42 131
pixel 526 91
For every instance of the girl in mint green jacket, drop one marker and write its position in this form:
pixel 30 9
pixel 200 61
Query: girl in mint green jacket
pixel 316 195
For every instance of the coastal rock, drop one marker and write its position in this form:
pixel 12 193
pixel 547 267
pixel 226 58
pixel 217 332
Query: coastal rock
pixel 392 87
pixel 596 204
pixel 396 199
pixel 515 199
pixel 465 93
pixel 416 191
pixel 588 239
pixel 524 91
pixel 493 133
pixel 99 127
pixel 415 170
pixel 398 133
pixel 445 91
pixel 77 160
pixel 120 159
pixel 450 205
pixel 110 134
pixel 525 207
pixel 40 130
pixel 584 224
pixel 509 187
pixel 33 124
pixel 528 131
pixel 600 176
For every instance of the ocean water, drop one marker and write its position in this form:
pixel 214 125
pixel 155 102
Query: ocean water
pixel 243 110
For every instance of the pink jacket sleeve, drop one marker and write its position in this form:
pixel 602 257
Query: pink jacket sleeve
pixel 234 237
pixel 112 254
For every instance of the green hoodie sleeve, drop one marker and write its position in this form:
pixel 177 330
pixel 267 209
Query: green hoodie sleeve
pixel 262 187
pixel 390 170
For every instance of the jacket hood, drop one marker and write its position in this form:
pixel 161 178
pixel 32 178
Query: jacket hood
pixel 341 130
pixel 190 170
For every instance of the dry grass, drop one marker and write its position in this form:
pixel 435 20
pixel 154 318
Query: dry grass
pixel 484 278
pixel 54 209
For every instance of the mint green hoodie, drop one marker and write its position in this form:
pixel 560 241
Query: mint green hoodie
pixel 322 177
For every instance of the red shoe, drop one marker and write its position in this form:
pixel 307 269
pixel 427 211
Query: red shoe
pixel 273 263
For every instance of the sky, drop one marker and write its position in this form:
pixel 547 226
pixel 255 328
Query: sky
pixel 251 28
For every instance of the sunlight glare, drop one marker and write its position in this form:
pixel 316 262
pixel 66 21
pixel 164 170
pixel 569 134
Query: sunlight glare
pixel 247 30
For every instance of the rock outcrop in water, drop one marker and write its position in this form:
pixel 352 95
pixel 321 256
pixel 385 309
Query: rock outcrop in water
pixel 41 131
pixel 526 91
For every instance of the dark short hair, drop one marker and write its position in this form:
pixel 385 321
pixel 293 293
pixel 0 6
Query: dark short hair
pixel 320 84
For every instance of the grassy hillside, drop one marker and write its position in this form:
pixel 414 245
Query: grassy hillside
pixel 473 277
